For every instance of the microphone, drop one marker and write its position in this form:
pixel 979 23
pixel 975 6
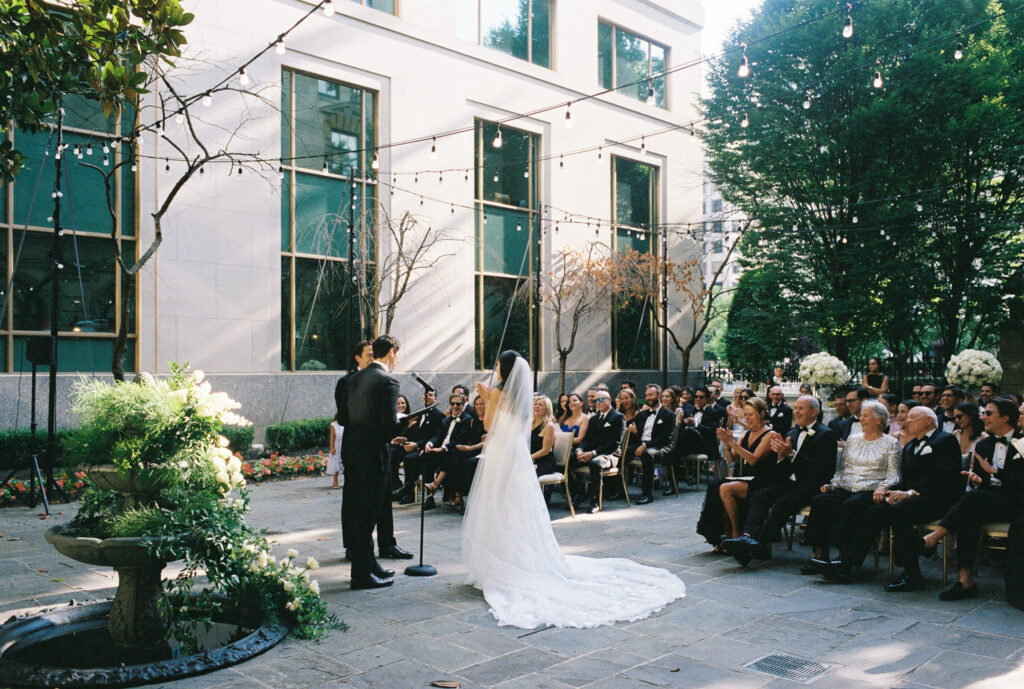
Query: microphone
pixel 426 386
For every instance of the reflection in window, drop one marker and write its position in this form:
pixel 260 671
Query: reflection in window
pixel 506 217
pixel 631 64
pixel 521 28
pixel 329 122
pixel 382 5
pixel 635 211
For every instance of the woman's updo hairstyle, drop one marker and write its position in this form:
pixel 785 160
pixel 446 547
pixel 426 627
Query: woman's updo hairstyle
pixel 505 362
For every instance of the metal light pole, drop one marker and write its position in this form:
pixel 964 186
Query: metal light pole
pixel 664 307
pixel 536 303
pixel 350 289
pixel 51 411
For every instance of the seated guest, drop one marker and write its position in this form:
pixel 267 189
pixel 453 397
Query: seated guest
pixel 950 397
pixel 902 415
pixel 591 397
pixel 929 484
pixel 842 412
pixel 985 393
pixel 684 441
pixel 806 461
pixel 670 399
pixel 417 435
pixel 562 412
pixel 575 420
pixel 805 389
pixel 438 456
pixel 930 398
pixel 628 385
pixel 780 416
pixel 851 426
pixel 969 430
pixel 875 381
pixel 707 418
pixel 626 404
pixel 735 410
pixel 869 467
pixel 652 428
pixel 998 496
pixel 395 449
pixel 753 455
pixel 468 453
pixel 604 433
pixel 892 404
pixel 464 391
pixel 542 436
pixel 686 400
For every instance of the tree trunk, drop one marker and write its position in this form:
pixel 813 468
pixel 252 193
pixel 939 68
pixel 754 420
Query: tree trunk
pixel 121 341
pixel 685 352
pixel 563 357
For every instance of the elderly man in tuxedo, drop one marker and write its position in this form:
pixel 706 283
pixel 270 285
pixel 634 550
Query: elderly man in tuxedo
pixel 997 476
pixel 807 461
pixel 650 431
pixel 780 416
pixel 929 483
pixel 604 433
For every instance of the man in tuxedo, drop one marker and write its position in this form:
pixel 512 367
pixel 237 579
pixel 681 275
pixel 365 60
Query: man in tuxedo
pixel 440 452
pixel 915 392
pixel 416 438
pixel 649 432
pixel 950 397
pixel 363 354
pixel 604 433
pixel 707 419
pixel 807 461
pixel 851 424
pixel 684 440
pixel 716 388
pixel 929 397
pixel 780 416
pixel 998 496
pixel 367 402
pixel 986 392
pixel 842 413
pixel 929 483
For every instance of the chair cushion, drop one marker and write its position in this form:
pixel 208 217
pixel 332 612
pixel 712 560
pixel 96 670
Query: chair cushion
pixel 548 479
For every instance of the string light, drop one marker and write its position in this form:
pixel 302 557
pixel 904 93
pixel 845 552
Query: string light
pixel 650 92
pixel 855 219
pixel 77 152
pixel 106 149
pixel 207 100
pixel 167 166
pixel 280 171
pixel 643 145
pixel 561 161
pixel 495 177
pixel 599 155
pixel 497 138
pixel 807 102
pixel 877 83
pixel 243 78
pixel 328 8
pixel 453 209
pixel 745 122
pixel 958 54
pixel 440 178
pixel 88 150
pixel 203 170
pixel 280 48
pixel 421 200
pixel 239 169
pixel 919 207
pixel 326 169
pixel 179 118
pixel 466 177
pixel 135 168
pixel 433 148
pixel 106 161
pixel 416 178
pixel 375 163
pixel 114 144
pixel 526 173
pixel 519 227
pixel 848 24
pixel 568 115
pixel 744 70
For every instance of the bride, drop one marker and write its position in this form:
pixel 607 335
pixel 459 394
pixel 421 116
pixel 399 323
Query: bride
pixel 508 545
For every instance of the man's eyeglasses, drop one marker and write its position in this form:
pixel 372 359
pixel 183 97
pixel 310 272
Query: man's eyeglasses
pixel 853 401
pixel 701 397
pixel 457 404
pixel 986 412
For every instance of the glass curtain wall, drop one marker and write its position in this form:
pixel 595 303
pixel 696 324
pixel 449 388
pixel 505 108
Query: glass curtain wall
pixel 635 210
pixel 506 221
pixel 90 298
pixel 328 135
pixel 629 63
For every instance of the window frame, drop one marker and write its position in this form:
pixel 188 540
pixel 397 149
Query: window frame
pixel 529 33
pixel 363 3
pixel 614 61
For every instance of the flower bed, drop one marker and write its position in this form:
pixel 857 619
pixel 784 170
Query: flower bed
pixel 70 481
pixel 282 466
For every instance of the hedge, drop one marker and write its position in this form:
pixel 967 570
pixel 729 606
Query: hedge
pixel 16 446
pixel 239 437
pixel 299 435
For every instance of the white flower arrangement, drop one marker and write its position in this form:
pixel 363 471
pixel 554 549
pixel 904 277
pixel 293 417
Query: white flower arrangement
pixel 972 367
pixel 824 369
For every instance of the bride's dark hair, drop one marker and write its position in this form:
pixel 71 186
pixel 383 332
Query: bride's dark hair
pixel 505 362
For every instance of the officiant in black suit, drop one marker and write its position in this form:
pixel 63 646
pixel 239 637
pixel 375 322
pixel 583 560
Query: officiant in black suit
pixel 367 402
pixel 807 461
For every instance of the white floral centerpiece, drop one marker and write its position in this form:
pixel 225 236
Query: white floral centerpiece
pixel 824 370
pixel 972 367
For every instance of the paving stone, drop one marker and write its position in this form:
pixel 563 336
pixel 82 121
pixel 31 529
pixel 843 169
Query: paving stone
pixel 866 622
pixel 371 657
pixel 533 682
pixel 577 672
pixel 571 642
pixel 677 671
pixel 994 618
pixel 662 629
pixel 516 664
pixel 485 642
pixel 789 635
pixel 711 616
pixel 435 652
pixel 722 652
pixel 956 639
pixel 878 660
pixel 952 670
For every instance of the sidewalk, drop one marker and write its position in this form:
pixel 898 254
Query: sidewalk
pixel 435 628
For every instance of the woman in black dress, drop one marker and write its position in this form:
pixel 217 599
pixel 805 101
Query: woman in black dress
pixel 542 436
pixel 875 379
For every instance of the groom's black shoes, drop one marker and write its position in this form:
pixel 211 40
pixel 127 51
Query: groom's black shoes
pixel 382 573
pixel 371 582
pixel 395 553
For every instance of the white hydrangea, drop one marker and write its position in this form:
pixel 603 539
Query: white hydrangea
pixel 824 369
pixel 287 585
pixel 972 367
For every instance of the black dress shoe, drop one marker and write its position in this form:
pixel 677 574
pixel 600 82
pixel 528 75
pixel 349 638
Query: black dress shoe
pixel 814 567
pixel 594 508
pixel 429 504
pixel 644 499
pixel 371 582
pixel 406 499
pixel 383 573
pixel 959 592
pixel 841 573
pixel 670 491
pixel 348 555
pixel 906 583
pixel 395 553
pixel 617 495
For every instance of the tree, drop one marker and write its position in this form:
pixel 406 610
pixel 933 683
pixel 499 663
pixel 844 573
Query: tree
pixel 756 336
pixel 86 47
pixel 643 276
pixel 577 287
pixel 855 186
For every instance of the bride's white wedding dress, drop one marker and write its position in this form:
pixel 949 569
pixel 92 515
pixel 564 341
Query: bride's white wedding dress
pixel 510 549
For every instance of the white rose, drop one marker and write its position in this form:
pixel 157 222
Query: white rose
pixel 314 586
pixel 293 605
pixel 312 563
pixel 292 553
pixel 234 464
pixel 287 585
pixel 222 441
pixel 224 478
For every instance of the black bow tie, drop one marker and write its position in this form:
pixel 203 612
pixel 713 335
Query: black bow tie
pixel 856 419
pixel 804 429
pixel 1001 440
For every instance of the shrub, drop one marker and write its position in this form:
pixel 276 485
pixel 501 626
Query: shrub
pixel 16 446
pixel 299 435
pixel 239 437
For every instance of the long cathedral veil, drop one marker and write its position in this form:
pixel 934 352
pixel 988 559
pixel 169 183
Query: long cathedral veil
pixel 510 550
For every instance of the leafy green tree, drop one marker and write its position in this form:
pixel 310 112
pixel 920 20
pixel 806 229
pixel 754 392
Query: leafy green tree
pixel 87 47
pixel 758 333
pixel 834 168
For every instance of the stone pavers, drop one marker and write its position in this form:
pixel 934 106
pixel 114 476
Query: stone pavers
pixel 436 628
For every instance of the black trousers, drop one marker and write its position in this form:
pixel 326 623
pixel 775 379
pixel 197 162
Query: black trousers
pixel 397 454
pixel 419 465
pixel 769 508
pixel 973 510
pixel 647 470
pixel 835 517
pixel 903 517
pixel 465 471
pixel 688 442
pixel 360 508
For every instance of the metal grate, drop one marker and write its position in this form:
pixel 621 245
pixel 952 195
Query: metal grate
pixel 789 667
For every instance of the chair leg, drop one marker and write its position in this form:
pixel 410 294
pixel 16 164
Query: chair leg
pixel 600 493
pixel 945 558
pixel 789 530
pixel 624 491
pixel 675 482
pixel 892 556
pixel 568 497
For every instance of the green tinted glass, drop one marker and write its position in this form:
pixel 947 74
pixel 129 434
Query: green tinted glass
pixel 321 316
pixel 328 122
pixel 540 38
pixel 633 193
pixel 497 299
pixel 634 336
pixel 605 55
pixel 503 26
pixel 507 176
pixel 321 216
pixel 79 355
pixel 505 235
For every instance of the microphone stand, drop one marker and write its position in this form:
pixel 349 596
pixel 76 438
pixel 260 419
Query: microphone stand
pixel 422 570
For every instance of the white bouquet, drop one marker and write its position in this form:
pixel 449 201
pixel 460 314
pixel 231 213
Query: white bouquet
pixel 824 369
pixel 972 367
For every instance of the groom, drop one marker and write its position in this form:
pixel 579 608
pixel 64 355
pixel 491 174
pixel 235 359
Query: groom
pixel 367 402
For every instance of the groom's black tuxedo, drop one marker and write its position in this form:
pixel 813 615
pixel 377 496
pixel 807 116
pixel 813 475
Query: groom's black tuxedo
pixel 367 401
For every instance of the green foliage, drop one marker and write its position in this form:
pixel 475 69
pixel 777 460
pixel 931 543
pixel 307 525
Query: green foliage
pixel 835 187
pixel 16 446
pixel 95 50
pixel 299 435
pixel 758 334
pixel 138 521
pixel 239 437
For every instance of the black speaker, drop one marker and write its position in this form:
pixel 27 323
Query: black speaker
pixel 37 351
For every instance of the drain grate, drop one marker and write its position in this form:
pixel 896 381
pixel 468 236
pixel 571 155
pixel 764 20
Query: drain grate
pixel 789 667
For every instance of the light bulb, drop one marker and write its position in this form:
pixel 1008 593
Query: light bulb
pixel 179 118
pixel 744 70
pixel 497 139
pixel 421 200
pixel 106 149
pixel 958 54
pixel 114 144
pixel 526 173
pixel 650 93
pixel 135 167
pixel 453 209
pixel 77 151
pixel 375 163
pixel 919 207
pixel 848 27
pixel 243 78
pixel 568 116
pixel 599 155
pixel 326 169
pixel 561 162
pixel 877 83
pixel 855 219
pixel 519 227
pixel 106 161
pixel 433 148
pixel 328 8
pixel 88 150
pixel 495 177
pixel 643 145
pixel 167 166
pixel 745 122
pixel 280 47
pixel 207 100
pixel 807 104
